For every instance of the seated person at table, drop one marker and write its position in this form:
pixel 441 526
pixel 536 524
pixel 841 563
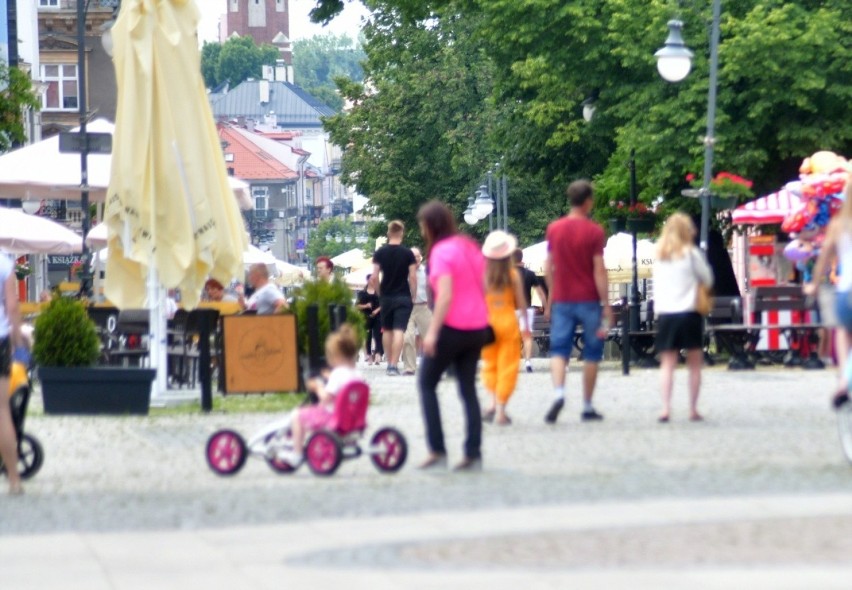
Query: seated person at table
pixel 267 298
pixel 215 292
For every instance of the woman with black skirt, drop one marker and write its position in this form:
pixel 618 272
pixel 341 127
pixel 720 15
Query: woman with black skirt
pixel 679 269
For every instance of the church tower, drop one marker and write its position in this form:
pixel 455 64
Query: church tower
pixel 266 21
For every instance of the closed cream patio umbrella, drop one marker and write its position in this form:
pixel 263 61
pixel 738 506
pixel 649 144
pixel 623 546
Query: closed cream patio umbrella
pixel 169 207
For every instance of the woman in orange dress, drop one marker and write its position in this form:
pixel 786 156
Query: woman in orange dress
pixel 504 296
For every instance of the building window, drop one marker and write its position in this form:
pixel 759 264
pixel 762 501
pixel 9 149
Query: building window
pixel 62 89
pixel 48 3
pixel 261 198
pixel 256 14
pixel 235 5
pixel 279 6
pixel 289 193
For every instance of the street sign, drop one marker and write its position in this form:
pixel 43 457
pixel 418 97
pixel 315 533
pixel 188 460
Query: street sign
pixel 63 262
pixel 71 142
pixel 300 244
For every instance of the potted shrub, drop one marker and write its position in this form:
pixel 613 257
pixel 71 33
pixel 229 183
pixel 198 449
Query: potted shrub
pixel 65 349
pixel 323 294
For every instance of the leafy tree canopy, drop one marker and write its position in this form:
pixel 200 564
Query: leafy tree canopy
pixel 235 60
pixel 318 61
pixel 323 240
pixel 456 85
pixel 419 128
pixel 16 94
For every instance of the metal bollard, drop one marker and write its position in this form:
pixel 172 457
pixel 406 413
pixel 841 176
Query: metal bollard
pixel 314 345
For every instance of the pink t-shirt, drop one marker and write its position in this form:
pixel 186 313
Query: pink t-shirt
pixel 460 257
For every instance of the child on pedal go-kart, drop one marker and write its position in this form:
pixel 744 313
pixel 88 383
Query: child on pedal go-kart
pixel 341 354
pixel 322 435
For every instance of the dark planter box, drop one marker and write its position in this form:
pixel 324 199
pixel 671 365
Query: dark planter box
pixel 640 225
pixel 96 390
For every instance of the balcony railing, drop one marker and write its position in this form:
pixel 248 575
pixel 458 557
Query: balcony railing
pixel 265 213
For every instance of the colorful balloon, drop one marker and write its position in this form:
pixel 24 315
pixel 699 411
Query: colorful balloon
pixel 798 251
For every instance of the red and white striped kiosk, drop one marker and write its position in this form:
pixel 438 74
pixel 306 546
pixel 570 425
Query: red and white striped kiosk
pixel 764 265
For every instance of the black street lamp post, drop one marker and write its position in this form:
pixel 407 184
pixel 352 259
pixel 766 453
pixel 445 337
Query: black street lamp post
pixel 483 204
pixel 674 62
pixel 84 147
pixel 633 302
pixel 85 274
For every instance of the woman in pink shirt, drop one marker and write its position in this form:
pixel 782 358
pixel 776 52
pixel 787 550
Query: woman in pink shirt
pixel 457 332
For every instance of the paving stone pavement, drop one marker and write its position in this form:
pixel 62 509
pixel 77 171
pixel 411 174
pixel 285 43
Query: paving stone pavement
pixel 133 482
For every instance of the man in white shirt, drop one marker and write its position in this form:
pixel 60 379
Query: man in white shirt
pixel 267 298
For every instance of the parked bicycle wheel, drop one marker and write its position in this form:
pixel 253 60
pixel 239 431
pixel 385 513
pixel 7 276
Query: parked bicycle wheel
pixel 844 427
pixel 30 456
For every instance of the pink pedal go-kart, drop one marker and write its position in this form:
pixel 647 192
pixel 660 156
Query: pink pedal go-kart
pixel 324 449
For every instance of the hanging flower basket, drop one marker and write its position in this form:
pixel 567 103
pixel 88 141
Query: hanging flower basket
pixel 617 225
pixel 723 202
pixel 640 226
pixel 22 270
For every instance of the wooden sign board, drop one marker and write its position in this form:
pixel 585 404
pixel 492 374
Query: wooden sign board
pixel 261 353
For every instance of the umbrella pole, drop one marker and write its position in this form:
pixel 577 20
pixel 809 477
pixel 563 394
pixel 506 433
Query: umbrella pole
pixel 157 346
pixel 39 276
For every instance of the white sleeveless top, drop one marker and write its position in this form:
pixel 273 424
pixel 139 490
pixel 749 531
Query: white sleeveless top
pixel 844 256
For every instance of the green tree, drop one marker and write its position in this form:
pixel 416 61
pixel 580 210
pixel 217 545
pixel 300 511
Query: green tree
pixel 234 61
pixel 210 63
pixel 782 93
pixel 318 61
pixel 323 241
pixel 16 94
pixel 420 129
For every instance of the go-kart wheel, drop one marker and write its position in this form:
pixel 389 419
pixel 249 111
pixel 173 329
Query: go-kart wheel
pixel 226 452
pixel 30 456
pixel 276 464
pixel 323 452
pixel 281 466
pixel 388 450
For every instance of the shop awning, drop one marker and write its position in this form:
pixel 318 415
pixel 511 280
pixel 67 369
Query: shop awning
pixel 772 208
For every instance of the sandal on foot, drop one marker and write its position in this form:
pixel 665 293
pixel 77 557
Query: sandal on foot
pixel 663 419
pixel 488 415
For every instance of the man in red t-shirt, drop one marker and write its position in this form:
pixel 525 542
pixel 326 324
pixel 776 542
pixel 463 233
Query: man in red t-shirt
pixel 577 281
